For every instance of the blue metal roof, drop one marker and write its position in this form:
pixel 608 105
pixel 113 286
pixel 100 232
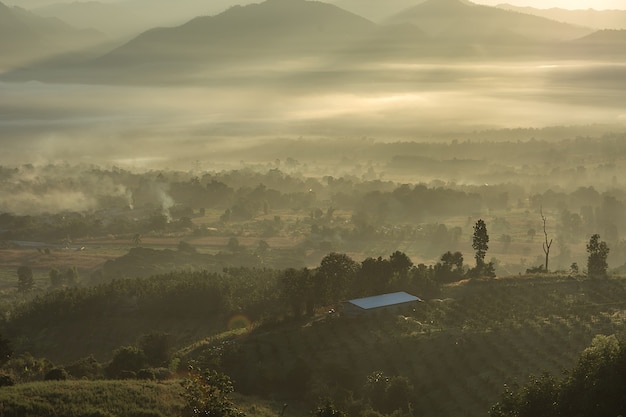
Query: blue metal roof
pixel 384 300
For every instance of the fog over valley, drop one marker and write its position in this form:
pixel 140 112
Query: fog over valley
pixel 296 208
pixel 391 101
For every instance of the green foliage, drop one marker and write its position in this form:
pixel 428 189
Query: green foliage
pixel 538 398
pixel 595 387
pixel 297 290
pixel 71 276
pixel 157 348
pixel 400 264
pixel 6 350
pixel 450 267
pixel 56 278
pixel 480 242
pixel 26 368
pixel 597 384
pixel 207 393
pixel 596 262
pixel 88 368
pixel 333 277
pixel 374 277
pixel 387 394
pixel 25 280
pixel 328 409
pixel 92 399
pixel 56 374
pixel 126 360
pixel 6 381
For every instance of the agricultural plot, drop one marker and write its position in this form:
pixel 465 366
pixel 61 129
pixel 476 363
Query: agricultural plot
pixel 457 352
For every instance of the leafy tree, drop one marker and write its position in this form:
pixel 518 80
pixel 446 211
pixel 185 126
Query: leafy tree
pixel 387 394
pixel 537 399
pixel 6 351
pixel 594 387
pixel 6 380
pixel 207 393
pixel 56 278
pixel 71 276
pixel 25 280
pixel 127 359
pixel 297 290
pixel 335 273
pixel 450 268
pixel 400 264
pixel 374 276
pixel 56 374
pixel 233 244
pixel 263 247
pixel 596 261
pixel 186 247
pixel 87 367
pixel 157 221
pixel 480 243
pixel 423 281
pixel 157 348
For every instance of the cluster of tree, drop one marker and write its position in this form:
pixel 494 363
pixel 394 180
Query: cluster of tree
pixel 594 387
pixel 207 393
pixel 339 276
pixel 150 358
pixel 584 210
pixel 413 204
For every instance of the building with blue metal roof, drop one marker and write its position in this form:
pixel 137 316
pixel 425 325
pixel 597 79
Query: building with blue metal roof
pixel 385 302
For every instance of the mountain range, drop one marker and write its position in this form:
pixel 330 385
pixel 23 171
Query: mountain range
pixel 595 19
pixel 131 17
pixel 467 22
pixel 375 10
pixel 25 36
pixel 267 31
pixel 275 32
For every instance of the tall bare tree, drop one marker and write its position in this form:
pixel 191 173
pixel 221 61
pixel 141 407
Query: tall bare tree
pixel 546 244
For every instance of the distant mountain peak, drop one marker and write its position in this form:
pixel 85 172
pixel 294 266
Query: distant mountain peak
pixel 446 3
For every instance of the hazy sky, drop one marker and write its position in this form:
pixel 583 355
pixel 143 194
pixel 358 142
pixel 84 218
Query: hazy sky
pixel 541 4
pixel 565 4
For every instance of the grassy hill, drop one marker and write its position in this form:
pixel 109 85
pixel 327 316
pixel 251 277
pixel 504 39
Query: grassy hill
pixel 113 398
pixel 454 353
pixel 457 352
pixel 92 398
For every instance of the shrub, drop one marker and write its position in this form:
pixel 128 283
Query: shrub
pixel 126 360
pixel 87 367
pixel 56 374
pixel 147 374
pixel 6 380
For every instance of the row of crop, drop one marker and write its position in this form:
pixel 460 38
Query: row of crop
pixel 459 359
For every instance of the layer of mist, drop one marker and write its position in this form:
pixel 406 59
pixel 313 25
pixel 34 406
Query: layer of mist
pixel 216 86
pixel 40 122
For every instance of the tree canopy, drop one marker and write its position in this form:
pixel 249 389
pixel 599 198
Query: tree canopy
pixel 594 387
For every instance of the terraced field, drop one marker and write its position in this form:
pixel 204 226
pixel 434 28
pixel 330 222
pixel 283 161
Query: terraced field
pixel 458 352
